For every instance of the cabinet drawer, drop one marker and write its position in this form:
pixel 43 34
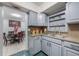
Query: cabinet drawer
pixel 73 46
pixel 57 41
pixel 70 44
pixel 70 52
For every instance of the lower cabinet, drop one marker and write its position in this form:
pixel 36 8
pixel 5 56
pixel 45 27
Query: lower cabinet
pixel 46 47
pixel 37 45
pixel 31 45
pixel 34 45
pixel 70 52
pixel 50 48
pixel 56 49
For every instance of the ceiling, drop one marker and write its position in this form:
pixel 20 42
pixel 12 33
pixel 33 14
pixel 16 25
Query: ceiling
pixel 55 8
pixel 46 7
pixel 38 3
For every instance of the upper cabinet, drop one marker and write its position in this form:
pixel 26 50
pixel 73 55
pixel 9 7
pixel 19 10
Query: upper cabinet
pixel 72 9
pixel 42 19
pixel 57 22
pixel 32 18
pixel 37 19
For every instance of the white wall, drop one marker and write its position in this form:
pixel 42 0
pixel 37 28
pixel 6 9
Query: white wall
pixel 1 36
pixel 26 33
pixel 24 24
pixel 6 27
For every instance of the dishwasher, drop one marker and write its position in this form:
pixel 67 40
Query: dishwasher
pixel 71 49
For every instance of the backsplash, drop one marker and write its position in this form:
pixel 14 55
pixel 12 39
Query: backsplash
pixel 37 30
pixel 74 30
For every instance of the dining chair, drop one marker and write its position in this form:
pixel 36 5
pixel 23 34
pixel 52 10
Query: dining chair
pixel 21 36
pixel 6 40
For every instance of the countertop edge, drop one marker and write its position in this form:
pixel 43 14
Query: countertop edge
pixel 62 39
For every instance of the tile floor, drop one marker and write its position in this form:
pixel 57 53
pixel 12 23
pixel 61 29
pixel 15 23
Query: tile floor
pixel 11 49
pixel 18 49
pixel 41 54
pixel 26 53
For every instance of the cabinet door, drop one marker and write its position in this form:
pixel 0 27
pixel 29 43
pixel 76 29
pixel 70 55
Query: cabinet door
pixel 32 18
pixel 56 50
pixel 37 45
pixel 44 46
pixel 31 45
pixel 48 48
pixel 70 52
pixel 72 9
pixel 42 19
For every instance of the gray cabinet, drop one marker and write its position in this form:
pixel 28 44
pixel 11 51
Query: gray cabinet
pixel 32 18
pixel 57 22
pixel 51 46
pixel 31 45
pixel 37 44
pixel 46 47
pixel 37 19
pixel 70 52
pixel 56 50
pixel 70 49
pixel 72 14
pixel 42 19
pixel 34 44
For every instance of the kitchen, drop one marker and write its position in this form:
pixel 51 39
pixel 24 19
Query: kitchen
pixel 49 30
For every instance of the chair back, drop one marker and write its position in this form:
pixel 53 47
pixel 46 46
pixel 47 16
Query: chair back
pixel 4 36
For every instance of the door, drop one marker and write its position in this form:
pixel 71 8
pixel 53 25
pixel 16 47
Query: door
pixel 70 52
pixel 56 50
pixel 37 45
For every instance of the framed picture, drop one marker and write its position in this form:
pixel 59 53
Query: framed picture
pixel 12 23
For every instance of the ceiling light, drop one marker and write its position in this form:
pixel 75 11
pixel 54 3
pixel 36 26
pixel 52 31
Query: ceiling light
pixel 15 15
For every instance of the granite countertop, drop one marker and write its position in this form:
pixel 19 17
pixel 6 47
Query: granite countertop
pixel 67 38
pixel 60 37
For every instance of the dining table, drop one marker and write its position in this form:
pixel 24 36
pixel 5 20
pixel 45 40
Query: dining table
pixel 14 38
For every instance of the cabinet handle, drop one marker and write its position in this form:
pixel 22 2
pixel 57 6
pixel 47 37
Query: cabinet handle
pixel 49 44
